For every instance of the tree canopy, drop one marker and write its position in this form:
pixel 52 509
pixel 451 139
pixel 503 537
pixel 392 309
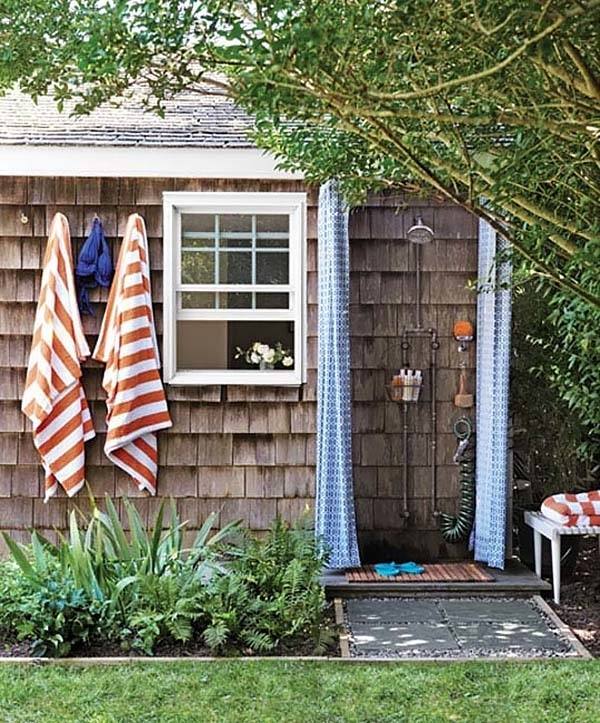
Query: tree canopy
pixel 493 105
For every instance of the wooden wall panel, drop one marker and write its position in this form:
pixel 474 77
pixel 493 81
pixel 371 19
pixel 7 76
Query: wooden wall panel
pixel 250 452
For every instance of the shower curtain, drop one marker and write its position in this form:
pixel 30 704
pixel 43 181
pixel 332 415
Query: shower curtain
pixel 493 361
pixel 335 520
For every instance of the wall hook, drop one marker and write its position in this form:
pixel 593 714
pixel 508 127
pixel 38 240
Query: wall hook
pixel 24 218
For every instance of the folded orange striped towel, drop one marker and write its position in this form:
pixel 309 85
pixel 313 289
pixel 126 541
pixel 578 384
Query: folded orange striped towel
pixel 573 510
pixel 136 403
pixel 53 398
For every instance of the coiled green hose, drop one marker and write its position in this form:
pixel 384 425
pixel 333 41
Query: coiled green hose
pixel 457 528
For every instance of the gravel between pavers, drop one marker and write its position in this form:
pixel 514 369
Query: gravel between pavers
pixel 464 651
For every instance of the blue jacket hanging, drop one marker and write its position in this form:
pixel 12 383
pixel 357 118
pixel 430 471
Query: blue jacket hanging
pixel 94 266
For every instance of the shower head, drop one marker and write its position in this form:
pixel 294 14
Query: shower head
pixel 419 233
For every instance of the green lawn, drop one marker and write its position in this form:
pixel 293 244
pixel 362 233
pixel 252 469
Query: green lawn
pixel 263 691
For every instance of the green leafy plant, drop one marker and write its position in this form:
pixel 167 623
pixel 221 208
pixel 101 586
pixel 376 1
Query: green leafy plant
pixel 143 587
pixel 135 586
pixel 271 597
pixel 555 449
pixel 44 606
pixel 166 609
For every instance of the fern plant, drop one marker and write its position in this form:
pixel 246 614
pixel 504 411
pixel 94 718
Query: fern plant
pixel 143 587
pixel 271 599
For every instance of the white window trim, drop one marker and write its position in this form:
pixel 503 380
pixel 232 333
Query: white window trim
pixel 292 204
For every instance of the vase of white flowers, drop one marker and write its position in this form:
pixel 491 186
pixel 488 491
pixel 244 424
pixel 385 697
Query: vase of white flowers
pixel 265 356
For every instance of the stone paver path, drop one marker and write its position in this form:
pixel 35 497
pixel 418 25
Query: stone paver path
pixel 452 627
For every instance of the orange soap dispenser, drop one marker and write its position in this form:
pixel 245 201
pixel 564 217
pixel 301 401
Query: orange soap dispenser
pixel 463 333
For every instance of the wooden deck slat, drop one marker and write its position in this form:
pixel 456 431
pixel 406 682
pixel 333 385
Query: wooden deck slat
pixel 435 572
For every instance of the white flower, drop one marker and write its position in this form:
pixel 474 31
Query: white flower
pixel 287 361
pixel 256 346
pixel 255 358
pixel 263 349
pixel 269 356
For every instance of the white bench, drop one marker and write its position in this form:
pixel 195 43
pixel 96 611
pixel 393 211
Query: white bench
pixel 553 531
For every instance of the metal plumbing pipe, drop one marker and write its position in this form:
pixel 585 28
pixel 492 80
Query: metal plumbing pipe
pixel 405 511
pixel 435 345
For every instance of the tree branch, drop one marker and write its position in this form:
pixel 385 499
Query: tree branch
pixel 575 11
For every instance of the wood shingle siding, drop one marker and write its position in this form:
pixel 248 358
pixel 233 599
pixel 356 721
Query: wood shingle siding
pixel 250 452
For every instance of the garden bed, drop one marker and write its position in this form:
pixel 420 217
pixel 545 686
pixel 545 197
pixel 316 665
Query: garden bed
pixel 172 650
pixel 115 590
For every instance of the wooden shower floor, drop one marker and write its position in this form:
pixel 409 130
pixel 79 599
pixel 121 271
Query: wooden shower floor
pixel 435 572
pixel 515 580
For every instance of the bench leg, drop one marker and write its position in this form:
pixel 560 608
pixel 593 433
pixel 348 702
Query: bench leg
pixel 556 567
pixel 537 552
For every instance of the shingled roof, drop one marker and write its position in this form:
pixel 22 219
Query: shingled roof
pixel 191 120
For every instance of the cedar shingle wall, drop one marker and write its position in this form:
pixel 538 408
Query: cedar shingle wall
pixel 250 452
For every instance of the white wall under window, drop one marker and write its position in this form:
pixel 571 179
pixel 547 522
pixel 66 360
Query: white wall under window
pixel 234 273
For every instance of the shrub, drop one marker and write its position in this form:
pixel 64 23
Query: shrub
pixel 143 587
pixel 104 581
pixel 271 597
pixel 549 436
pixel 50 611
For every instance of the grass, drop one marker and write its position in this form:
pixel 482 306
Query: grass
pixel 307 692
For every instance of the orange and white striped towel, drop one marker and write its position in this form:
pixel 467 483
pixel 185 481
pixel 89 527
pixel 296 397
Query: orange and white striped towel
pixel 136 402
pixel 573 510
pixel 53 399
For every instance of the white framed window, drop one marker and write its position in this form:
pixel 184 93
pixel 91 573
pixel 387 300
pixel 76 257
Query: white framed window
pixel 234 273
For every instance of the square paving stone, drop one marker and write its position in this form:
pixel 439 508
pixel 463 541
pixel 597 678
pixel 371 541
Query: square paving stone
pixel 474 611
pixel 371 610
pixel 507 636
pixel 403 637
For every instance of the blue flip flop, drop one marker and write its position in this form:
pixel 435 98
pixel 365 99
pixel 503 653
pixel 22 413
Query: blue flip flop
pixel 390 569
pixel 386 569
pixel 411 568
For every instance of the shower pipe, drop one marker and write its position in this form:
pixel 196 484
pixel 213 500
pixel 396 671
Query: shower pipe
pixel 434 345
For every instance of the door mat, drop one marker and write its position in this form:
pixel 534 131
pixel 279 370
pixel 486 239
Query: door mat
pixel 435 572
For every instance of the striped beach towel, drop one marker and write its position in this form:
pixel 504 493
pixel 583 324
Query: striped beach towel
pixel 573 510
pixel 53 399
pixel 136 402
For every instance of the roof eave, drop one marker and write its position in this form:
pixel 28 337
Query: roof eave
pixel 140 162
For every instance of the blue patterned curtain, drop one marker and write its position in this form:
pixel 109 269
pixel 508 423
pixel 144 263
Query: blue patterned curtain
pixel 335 517
pixel 493 360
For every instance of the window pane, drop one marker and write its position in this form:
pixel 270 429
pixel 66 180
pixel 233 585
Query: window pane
pixel 272 231
pixel 198 222
pixel 197 230
pixel 272 268
pixel 235 267
pixel 235 300
pixel 279 222
pixel 198 300
pixel 213 344
pixel 246 333
pixel 236 223
pixel 235 231
pixel 201 345
pixel 197 267
pixel 272 301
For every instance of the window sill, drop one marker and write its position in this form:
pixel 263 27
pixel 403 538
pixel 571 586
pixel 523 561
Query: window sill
pixel 249 378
